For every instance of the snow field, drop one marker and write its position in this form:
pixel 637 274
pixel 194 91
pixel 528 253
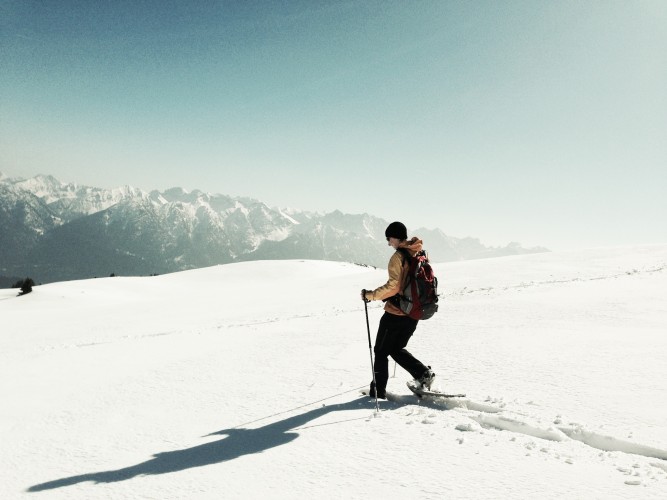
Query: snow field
pixel 242 381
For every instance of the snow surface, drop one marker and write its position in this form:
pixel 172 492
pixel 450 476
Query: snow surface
pixel 242 381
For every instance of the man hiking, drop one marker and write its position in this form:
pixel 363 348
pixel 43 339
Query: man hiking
pixel 396 327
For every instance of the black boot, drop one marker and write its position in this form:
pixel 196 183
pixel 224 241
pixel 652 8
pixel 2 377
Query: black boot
pixel 381 393
pixel 426 379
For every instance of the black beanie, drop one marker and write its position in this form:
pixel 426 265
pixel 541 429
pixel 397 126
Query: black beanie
pixel 396 230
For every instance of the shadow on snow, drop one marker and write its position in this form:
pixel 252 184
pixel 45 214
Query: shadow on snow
pixel 239 442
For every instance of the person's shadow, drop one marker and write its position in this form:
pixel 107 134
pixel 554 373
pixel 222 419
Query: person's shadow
pixel 239 442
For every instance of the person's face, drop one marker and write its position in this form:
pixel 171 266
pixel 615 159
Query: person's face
pixel 393 242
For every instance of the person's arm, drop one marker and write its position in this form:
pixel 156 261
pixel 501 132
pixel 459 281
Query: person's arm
pixel 393 284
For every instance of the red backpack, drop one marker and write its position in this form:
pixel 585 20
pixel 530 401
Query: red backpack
pixel 419 297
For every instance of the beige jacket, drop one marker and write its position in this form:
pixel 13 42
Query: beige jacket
pixel 397 272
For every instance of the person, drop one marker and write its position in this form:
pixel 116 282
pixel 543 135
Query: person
pixel 396 327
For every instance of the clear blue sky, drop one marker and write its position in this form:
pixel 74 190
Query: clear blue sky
pixel 543 122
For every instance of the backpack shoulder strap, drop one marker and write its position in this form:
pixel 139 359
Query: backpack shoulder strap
pixel 406 255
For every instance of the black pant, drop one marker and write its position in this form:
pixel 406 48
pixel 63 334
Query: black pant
pixel 393 335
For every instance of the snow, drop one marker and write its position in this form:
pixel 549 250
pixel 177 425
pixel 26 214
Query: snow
pixel 242 381
pixel 281 212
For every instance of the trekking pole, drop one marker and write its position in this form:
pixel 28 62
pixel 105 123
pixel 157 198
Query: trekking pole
pixel 370 351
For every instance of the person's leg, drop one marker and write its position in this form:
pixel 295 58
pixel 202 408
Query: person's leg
pixel 404 327
pixel 383 345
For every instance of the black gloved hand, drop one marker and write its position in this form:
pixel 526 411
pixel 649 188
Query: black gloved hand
pixel 363 295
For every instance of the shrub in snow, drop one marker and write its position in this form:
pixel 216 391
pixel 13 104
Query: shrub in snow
pixel 25 285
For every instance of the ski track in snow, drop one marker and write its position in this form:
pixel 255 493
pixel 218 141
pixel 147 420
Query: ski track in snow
pixel 491 417
pixel 199 331
pixel 526 285
pixel 609 443
pixel 486 417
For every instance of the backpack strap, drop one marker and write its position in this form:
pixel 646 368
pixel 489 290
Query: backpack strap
pixel 406 255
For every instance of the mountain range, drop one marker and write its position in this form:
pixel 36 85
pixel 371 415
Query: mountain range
pixel 56 231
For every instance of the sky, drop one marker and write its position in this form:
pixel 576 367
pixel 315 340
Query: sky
pixel 540 122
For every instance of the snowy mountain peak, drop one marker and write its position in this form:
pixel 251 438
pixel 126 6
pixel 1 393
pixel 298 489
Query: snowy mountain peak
pixel 46 187
pixel 87 231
